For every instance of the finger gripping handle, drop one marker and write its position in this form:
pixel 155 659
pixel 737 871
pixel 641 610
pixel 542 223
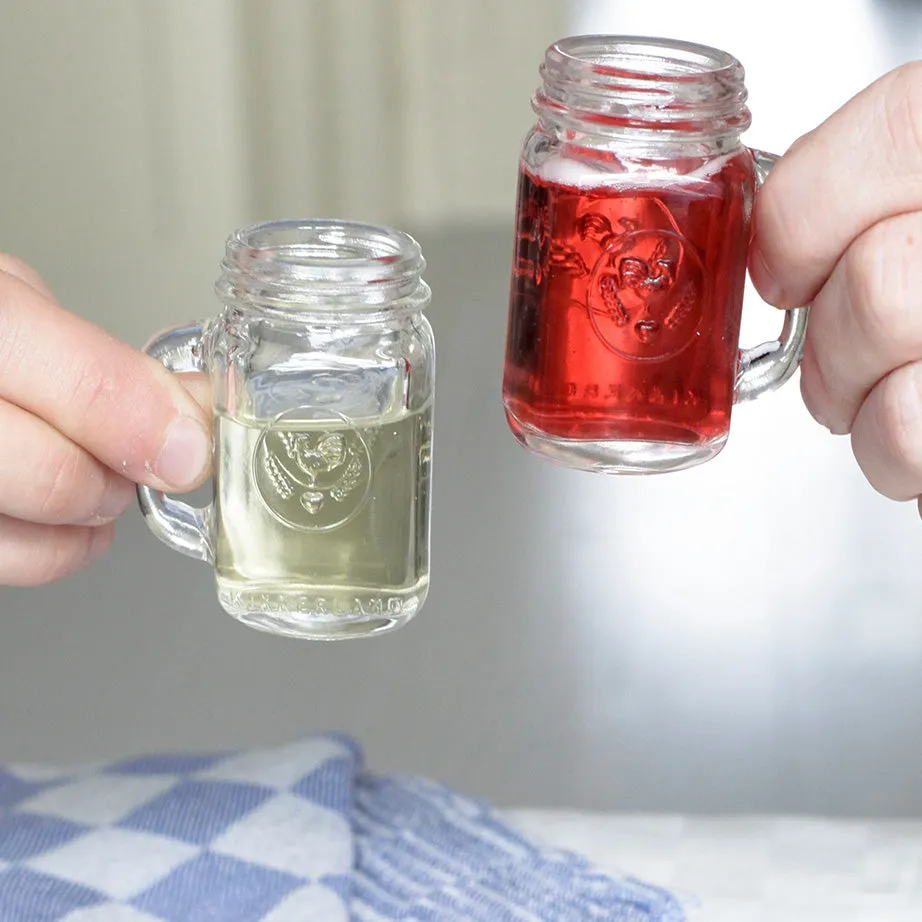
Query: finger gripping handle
pixel 766 367
pixel 184 528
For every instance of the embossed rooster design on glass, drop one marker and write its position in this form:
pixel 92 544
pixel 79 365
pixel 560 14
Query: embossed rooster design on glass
pixel 313 480
pixel 633 222
pixel 322 370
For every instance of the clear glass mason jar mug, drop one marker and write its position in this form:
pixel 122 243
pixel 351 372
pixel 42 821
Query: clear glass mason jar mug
pixel 321 365
pixel 633 226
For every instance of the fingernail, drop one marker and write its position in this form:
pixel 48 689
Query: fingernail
pixel 118 498
pixel 185 454
pixel 100 540
pixel 834 428
pixel 766 283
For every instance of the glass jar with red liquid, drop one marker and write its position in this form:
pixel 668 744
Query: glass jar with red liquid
pixel 632 232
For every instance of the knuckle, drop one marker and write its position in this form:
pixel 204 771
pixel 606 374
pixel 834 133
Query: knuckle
pixel 52 560
pixel 57 483
pixel 901 430
pixel 32 554
pixel 903 110
pixel 13 265
pixel 877 276
pixel 799 143
pixel 66 490
pixel 70 553
pixel 93 393
pixel 15 345
pixel 866 274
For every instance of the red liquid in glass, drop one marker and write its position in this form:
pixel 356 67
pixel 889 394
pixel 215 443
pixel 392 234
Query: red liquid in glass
pixel 625 306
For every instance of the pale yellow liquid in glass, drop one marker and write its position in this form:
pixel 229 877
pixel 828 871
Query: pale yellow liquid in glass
pixel 322 529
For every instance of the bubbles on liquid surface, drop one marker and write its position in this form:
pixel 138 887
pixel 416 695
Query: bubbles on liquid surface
pixel 585 174
pixel 356 394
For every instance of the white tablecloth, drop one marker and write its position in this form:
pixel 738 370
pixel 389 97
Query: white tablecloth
pixel 754 869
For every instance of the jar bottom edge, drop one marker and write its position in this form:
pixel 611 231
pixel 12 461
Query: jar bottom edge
pixel 310 615
pixel 616 456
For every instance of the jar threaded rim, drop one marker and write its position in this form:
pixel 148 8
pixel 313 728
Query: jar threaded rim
pixel 638 84
pixel 322 263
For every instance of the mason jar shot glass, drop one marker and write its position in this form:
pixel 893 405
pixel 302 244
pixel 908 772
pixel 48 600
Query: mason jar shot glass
pixel 632 230
pixel 321 364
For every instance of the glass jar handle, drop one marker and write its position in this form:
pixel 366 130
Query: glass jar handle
pixel 178 525
pixel 769 365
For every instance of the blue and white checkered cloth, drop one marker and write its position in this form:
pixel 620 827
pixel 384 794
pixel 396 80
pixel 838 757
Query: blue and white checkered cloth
pixel 300 833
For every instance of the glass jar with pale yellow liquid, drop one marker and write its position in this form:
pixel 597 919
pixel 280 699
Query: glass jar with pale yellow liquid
pixel 321 366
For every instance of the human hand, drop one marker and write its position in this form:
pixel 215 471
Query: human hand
pixel 83 417
pixel 838 224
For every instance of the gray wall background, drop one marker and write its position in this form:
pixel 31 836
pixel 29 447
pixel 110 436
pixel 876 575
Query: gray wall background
pixel 744 636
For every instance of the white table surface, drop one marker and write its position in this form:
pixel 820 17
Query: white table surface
pixel 755 869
